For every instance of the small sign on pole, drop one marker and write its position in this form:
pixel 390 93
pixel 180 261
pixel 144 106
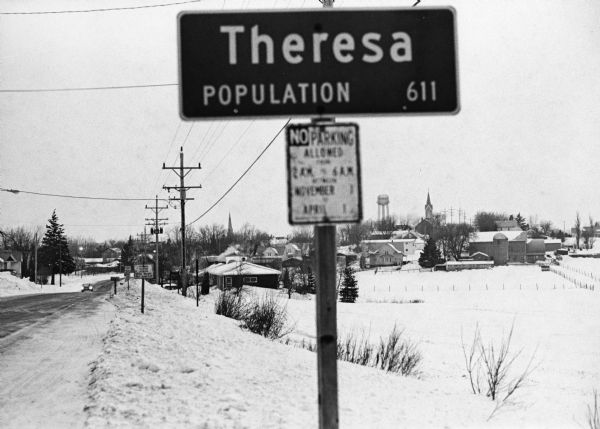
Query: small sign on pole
pixel 143 271
pixel 323 169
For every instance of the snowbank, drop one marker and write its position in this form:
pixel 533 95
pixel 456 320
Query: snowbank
pixel 12 285
pixel 181 366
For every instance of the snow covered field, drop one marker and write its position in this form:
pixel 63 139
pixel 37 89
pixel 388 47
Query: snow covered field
pixel 178 365
pixel 11 285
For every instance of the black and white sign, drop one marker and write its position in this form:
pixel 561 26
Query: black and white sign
pixel 143 271
pixel 323 174
pixel 317 62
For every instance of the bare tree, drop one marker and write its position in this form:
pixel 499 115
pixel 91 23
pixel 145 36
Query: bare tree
pixel 577 230
pixel 588 235
pixel 546 227
pixel 302 234
pixel 592 233
pixel 454 238
pixel 387 226
pixel 24 240
pixel 354 233
pixel 486 221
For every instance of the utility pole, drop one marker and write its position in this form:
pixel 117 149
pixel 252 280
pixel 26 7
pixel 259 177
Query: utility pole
pixel 156 230
pixel 182 199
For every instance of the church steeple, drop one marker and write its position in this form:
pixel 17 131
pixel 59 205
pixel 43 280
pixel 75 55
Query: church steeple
pixel 229 227
pixel 428 208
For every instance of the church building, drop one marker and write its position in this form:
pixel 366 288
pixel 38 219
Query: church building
pixel 427 225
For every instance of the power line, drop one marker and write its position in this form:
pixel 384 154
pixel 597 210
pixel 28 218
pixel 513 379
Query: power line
pixel 89 88
pixel 167 155
pixel 242 176
pixel 20 191
pixel 108 9
pixel 229 151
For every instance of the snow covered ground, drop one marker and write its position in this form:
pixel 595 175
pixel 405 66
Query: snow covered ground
pixel 45 368
pixel 11 285
pixel 178 365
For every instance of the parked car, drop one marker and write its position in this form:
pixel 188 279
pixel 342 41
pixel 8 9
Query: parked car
pixel 87 286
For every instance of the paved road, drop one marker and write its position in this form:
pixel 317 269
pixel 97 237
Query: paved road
pixel 23 311
pixel 48 344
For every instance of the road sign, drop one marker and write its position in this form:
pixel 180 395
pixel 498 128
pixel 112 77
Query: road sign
pixel 317 62
pixel 143 271
pixel 323 173
pixel 127 271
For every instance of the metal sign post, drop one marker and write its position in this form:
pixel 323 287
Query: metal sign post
pixel 143 272
pixel 324 188
pixel 326 326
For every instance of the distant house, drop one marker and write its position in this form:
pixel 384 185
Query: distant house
pixel 381 253
pixel 237 274
pixel 410 248
pixel 270 252
pixel 230 252
pixel 276 241
pixel 111 254
pixel 552 244
pixel 268 257
pixel 507 225
pixel 11 260
pixel 292 251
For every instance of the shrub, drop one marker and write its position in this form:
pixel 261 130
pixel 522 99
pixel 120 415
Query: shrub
pixel 231 305
pixel 393 354
pixel 488 367
pixel 266 317
pixel 354 350
pixel 397 355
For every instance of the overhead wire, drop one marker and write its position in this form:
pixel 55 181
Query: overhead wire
pixel 82 197
pixel 162 172
pixel 87 88
pixel 242 176
pixel 229 151
pixel 108 9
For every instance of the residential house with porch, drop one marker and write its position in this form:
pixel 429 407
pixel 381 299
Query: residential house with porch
pixel 11 260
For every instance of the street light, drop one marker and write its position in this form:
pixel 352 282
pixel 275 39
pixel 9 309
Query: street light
pixel 81 262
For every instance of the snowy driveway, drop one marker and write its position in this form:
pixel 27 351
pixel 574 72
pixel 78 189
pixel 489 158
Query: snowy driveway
pixel 45 354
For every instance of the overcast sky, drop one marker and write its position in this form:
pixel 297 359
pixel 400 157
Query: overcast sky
pixel 526 139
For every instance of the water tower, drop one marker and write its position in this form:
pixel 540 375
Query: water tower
pixel 383 209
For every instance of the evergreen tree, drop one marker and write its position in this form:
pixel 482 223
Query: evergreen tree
pixel 430 256
pixel 349 289
pixel 287 282
pixel 521 221
pixel 55 251
pixel 128 253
